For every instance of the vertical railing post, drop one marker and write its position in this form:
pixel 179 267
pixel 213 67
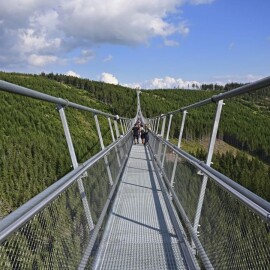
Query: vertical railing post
pixel 125 126
pixel 167 138
pixel 102 147
pixel 116 127
pixel 169 127
pixel 157 125
pixel 179 145
pixel 162 134
pixel 208 162
pixel 113 138
pixel 163 126
pixel 111 129
pixel 122 127
pixel 75 165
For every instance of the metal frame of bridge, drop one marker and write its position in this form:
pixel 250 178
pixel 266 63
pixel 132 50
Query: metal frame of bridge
pixel 158 213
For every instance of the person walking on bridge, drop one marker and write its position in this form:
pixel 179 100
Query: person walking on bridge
pixel 136 130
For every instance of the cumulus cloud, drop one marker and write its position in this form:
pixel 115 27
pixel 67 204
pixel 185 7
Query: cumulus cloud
pixel 39 27
pixel 72 73
pixel 165 83
pixel 170 82
pixel 108 78
pixel 41 60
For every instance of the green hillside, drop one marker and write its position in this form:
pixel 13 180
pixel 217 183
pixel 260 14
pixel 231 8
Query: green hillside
pixel 245 126
pixel 33 149
pixel 34 154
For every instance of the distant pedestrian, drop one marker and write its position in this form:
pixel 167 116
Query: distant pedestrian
pixel 136 130
pixel 146 135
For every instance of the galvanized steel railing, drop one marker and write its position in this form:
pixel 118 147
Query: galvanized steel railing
pixel 226 224
pixel 60 227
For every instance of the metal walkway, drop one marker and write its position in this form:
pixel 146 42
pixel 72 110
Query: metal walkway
pixel 139 233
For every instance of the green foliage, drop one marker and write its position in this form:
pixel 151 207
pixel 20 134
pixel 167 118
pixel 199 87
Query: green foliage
pixel 245 124
pixel 33 148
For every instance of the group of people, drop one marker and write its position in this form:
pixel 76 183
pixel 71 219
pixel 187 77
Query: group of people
pixel 140 131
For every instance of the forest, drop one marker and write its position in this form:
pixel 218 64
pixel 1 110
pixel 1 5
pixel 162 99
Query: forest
pixel 33 151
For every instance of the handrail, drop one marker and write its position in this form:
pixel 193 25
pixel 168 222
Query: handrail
pixel 229 94
pixel 36 204
pixel 16 89
pixel 251 200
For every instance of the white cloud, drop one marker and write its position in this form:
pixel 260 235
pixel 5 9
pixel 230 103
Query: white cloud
pixel 170 82
pixel 108 78
pixel 41 60
pixel 165 83
pixel 49 27
pixel 72 73
pixel 85 56
pixel 108 58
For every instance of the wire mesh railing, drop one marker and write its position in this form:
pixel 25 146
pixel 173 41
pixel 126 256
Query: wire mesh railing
pixel 232 233
pixel 53 233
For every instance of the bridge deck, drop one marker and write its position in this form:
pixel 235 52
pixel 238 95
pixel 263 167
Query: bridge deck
pixel 139 233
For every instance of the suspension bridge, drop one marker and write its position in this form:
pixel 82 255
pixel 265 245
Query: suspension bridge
pixel 159 207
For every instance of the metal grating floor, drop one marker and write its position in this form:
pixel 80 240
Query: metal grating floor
pixel 139 233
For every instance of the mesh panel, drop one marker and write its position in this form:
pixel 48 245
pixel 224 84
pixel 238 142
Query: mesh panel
pixel 232 236
pixel 57 237
pixel 53 239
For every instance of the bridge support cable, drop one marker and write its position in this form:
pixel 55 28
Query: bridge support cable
pixel 102 147
pixel 75 165
pixel 208 162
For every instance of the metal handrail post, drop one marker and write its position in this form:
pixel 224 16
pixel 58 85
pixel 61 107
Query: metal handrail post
pixel 116 128
pixel 208 163
pixel 169 127
pixel 179 145
pixel 113 138
pixel 163 126
pixel 86 207
pixel 102 147
pixel 182 129
pixel 125 126
pixel 111 129
pixel 157 125
pixel 122 127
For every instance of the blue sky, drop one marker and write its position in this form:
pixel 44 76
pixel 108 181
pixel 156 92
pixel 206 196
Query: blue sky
pixel 143 43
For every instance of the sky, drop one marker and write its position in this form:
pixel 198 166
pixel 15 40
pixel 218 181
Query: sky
pixel 147 44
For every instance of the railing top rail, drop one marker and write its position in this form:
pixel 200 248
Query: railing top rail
pixel 16 89
pixel 37 203
pixel 232 93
